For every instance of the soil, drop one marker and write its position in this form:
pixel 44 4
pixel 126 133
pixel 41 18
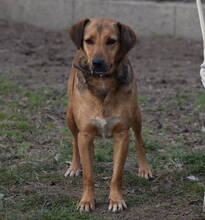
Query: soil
pixel 167 69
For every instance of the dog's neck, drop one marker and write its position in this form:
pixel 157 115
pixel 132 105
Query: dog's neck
pixel 101 87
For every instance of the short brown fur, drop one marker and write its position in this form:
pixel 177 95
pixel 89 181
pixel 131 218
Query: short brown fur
pixel 103 106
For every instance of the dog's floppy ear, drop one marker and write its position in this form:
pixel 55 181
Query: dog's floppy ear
pixel 76 32
pixel 127 39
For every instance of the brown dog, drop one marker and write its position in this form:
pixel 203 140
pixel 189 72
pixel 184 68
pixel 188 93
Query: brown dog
pixel 103 102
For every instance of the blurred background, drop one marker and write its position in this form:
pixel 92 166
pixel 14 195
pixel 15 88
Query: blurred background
pixel 177 18
pixel 35 144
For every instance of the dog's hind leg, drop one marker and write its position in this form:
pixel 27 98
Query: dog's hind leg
pixel 74 169
pixel 144 169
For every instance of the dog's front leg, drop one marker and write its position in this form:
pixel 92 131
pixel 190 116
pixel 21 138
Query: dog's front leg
pixel 119 157
pixel 85 144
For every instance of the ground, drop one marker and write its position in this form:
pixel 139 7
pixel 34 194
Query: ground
pixel 35 145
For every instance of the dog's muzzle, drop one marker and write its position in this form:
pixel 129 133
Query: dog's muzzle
pixel 96 70
pixel 99 65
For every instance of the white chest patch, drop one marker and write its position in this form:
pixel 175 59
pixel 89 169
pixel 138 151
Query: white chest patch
pixel 105 126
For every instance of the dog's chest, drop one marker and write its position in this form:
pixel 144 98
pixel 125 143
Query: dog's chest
pixel 105 126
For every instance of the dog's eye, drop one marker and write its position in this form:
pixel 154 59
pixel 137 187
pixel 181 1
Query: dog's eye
pixel 111 41
pixel 89 41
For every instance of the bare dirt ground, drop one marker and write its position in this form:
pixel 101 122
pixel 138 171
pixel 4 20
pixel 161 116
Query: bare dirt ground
pixel 35 144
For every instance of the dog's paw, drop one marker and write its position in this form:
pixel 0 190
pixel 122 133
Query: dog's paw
pixel 117 205
pixel 72 172
pixel 145 172
pixel 86 205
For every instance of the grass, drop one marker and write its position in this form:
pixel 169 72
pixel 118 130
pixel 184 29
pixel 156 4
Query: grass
pixel 47 206
pixel 35 144
pixel 103 151
pixel 194 187
pixel 150 143
pixel 7 86
pixel 199 99
pixel 132 179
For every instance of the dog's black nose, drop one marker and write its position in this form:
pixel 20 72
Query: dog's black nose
pixel 98 62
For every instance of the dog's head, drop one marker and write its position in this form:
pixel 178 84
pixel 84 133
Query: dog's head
pixel 104 42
